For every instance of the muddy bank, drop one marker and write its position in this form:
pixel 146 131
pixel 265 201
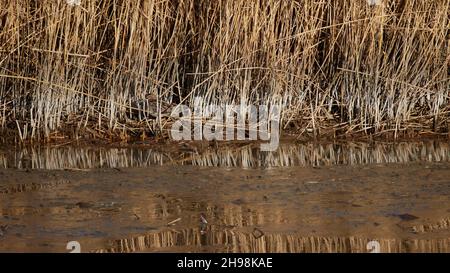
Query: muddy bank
pixel 406 207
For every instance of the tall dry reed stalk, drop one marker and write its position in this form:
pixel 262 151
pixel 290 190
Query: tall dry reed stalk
pixel 109 68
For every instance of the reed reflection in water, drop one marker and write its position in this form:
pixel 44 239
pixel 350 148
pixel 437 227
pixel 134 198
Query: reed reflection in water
pixel 245 242
pixel 311 154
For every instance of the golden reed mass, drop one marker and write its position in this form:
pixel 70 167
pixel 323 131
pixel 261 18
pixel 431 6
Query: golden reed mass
pixel 114 69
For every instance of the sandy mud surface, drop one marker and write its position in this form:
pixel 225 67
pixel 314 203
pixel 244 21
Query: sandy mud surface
pixel 404 207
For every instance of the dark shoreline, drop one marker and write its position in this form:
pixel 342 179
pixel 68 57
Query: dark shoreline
pixel 8 143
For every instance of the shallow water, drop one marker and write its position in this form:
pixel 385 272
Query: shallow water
pixel 303 198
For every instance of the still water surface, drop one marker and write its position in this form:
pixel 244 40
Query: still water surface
pixel 302 198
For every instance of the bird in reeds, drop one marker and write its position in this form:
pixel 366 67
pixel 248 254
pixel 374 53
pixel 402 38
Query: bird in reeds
pixel 152 106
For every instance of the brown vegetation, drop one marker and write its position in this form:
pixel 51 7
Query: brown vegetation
pixel 112 68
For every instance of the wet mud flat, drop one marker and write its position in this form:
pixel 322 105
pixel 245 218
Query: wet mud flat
pixel 404 207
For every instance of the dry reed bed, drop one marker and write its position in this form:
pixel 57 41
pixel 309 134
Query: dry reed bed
pixel 111 68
